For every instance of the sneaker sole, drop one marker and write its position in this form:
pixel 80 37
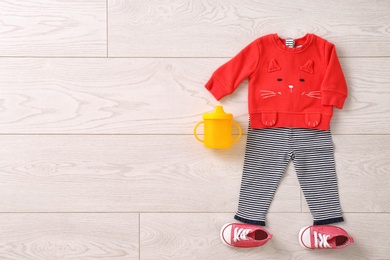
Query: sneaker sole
pixel 300 237
pixel 221 234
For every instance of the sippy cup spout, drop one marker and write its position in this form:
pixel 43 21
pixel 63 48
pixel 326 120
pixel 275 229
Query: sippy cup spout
pixel 218 113
pixel 219 110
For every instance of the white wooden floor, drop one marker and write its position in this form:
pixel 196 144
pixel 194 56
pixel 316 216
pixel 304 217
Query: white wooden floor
pixel 98 100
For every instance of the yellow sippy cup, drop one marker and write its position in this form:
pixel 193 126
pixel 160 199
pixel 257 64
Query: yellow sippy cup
pixel 218 129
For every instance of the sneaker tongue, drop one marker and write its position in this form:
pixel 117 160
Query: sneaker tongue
pixel 336 241
pixel 257 235
pixel 332 242
pixel 251 234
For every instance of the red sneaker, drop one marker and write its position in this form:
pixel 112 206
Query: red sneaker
pixel 327 237
pixel 244 235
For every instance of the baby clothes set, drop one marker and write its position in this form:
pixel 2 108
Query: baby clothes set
pixel 291 94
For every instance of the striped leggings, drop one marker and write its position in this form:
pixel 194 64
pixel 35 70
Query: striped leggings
pixel 268 151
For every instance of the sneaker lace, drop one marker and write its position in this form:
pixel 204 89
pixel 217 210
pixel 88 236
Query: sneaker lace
pixel 241 234
pixel 321 240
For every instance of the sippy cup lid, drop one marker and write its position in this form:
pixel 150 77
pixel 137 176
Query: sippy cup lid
pixel 218 113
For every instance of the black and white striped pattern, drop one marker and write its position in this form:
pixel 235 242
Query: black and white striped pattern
pixel 267 154
pixel 290 42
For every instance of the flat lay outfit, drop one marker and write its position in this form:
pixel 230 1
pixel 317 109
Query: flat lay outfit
pixel 293 87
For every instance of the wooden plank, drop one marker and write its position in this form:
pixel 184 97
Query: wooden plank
pixel 124 173
pixel 363 167
pixel 196 236
pixel 160 173
pixel 53 28
pixel 156 96
pixel 191 28
pixel 69 236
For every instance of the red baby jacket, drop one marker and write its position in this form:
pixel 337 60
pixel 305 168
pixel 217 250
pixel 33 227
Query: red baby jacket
pixel 288 87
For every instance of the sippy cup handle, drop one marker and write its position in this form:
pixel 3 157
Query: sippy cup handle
pixel 198 124
pixel 240 132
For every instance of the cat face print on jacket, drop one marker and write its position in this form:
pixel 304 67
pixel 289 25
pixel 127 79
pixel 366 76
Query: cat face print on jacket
pixel 291 87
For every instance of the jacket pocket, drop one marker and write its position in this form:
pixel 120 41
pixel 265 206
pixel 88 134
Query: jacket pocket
pixel 269 118
pixel 313 119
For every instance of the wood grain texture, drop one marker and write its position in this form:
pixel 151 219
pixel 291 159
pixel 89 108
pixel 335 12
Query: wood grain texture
pixel 156 96
pixel 124 173
pixel 53 28
pixel 363 167
pixel 165 173
pixel 192 28
pixel 69 236
pixel 196 236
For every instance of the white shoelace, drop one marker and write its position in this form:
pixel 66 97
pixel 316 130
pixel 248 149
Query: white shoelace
pixel 321 240
pixel 241 234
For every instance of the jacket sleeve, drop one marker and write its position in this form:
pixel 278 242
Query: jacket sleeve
pixel 229 76
pixel 334 87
